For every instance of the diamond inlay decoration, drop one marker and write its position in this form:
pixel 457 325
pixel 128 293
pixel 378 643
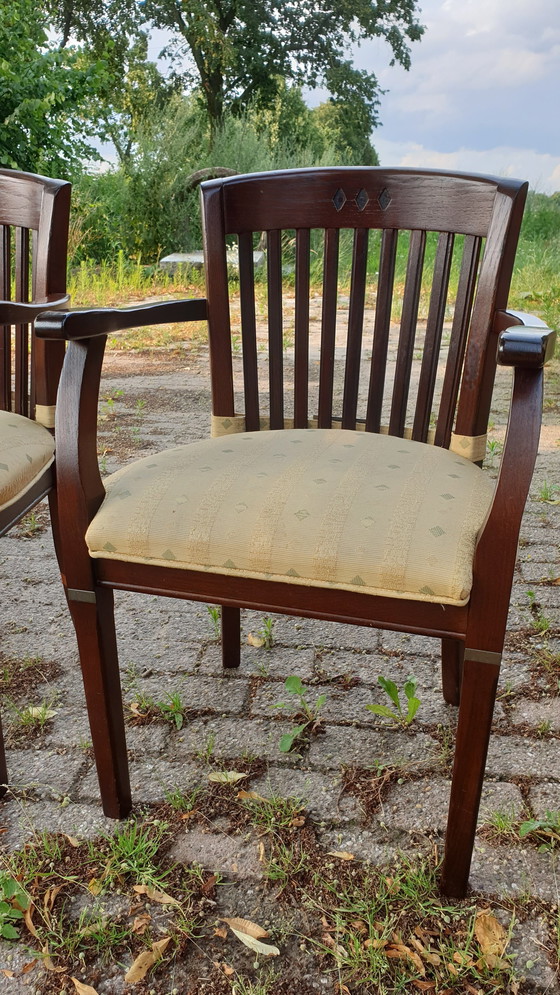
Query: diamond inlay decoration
pixel 361 199
pixel 384 199
pixel 339 199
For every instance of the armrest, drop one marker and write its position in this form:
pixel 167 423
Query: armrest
pixel 16 313
pixel 529 348
pixel 72 325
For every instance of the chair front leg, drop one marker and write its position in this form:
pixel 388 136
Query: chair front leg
pixel 231 636
pixel 452 653
pixel 478 694
pixel 93 617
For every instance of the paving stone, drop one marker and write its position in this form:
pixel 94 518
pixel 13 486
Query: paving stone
pixel 423 805
pixel 368 666
pixel 320 793
pixel 290 630
pixel 153 738
pixel 366 747
pixel 24 819
pixel 534 713
pixel 528 946
pixel 404 642
pixel 233 737
pixel 43 773
pixel 512 755
pixel 514 871
pixel 151 780
pixel 544 798
pixel 277 662
pixel 220 853
pixel 226 693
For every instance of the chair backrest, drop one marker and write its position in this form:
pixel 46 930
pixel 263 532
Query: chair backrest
pixel 384 247
pixel 34 216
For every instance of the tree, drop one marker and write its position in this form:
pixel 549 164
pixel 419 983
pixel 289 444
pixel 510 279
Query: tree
pixel 238 49
pixel 41 93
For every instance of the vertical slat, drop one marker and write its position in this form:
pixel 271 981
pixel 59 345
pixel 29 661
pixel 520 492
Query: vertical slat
pixel 328 326
pixel 21 402
pixel 275 356
pixel 432 340
pixel 301 356
pixel 458 340
pixel 355 328
pixel 381 328
pixel 249 331
pixel 408 331
pixel 5 330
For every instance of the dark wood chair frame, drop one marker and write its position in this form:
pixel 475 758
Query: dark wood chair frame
pixel 487 212
pixel 34 218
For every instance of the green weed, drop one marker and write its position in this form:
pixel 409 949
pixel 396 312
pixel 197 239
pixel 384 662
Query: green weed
pixel 13 903
pixel 307 712
pixel 412 702
pixel 172 710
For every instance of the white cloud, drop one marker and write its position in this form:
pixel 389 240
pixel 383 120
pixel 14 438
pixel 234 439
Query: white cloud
pixel 542 171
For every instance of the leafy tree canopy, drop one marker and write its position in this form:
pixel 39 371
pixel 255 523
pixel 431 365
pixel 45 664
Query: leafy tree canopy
pixel 41 92
pixel 236 50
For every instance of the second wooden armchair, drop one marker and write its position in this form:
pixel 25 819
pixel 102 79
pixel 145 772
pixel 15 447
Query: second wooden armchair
pixel 319 494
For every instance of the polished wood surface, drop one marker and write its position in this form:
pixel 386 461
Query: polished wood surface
pixel 443 220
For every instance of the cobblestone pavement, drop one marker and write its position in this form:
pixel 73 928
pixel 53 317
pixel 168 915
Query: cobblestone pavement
pixel 169 646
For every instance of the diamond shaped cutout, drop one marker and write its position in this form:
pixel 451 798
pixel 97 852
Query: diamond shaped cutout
pixel 384 199
pixel 339 199
pixel 361 199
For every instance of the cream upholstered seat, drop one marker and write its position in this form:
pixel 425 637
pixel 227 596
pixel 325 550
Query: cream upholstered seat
pixel 26 450
pixel 323 507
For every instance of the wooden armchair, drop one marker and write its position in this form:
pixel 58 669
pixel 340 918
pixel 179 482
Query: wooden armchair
pixel 34 213
pixel 324 493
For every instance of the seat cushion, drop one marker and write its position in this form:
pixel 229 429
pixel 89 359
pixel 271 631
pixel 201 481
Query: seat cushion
pixel 319 507
pixel 26 450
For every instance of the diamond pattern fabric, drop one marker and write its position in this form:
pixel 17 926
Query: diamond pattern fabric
pixel 322 507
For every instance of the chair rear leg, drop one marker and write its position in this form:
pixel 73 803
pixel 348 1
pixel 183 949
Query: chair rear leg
pixel 3 766
pixel 231 637
pixel 452 653
pixel 478 694
pixel 95 630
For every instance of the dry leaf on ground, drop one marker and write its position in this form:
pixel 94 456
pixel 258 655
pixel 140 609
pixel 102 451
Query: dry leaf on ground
pixel 226 776
pixel 249 932
pixel 83 989
pixel 256 641
pixel 341 854
pixel 154 895
pixel 145 961
pixel 490 934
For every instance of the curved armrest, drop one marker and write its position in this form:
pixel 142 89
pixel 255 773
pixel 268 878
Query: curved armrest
pixel 16 313
pixel 526 347
pixel 72 325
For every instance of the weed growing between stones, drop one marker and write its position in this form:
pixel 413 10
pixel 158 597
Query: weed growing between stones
pixel 307 714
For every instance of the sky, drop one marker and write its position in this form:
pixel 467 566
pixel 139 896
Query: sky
pixel 482 94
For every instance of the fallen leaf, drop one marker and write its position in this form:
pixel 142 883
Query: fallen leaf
pixel 222 933
pixel 28 921
pixel 256 641
pixel 225 968
pixel 47 962
pixel 494 962
pixel 376 944
pixel 341 854
pixel 460 957
pixel 424 986
pixel 248 932
pixel 262 854
pixel 83 989
pixel 7 973
pixel 246 926
pixel 452 969
pixel 359 925
pixel 209 885
pixel 141 924
pixel 95 886
pixel 226 776
pixel 298 822
pixel 37 712
pixel 251 796
pixel 50 896
pixel 145 961
pixel 490 934
pixel 29 966
pixel 73 841
pixel 154 895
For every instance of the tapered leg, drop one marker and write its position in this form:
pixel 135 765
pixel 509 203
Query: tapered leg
pixel 452 653
pixel 231 638
pixel 3 767
pixel 95 631
pixel 473 732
